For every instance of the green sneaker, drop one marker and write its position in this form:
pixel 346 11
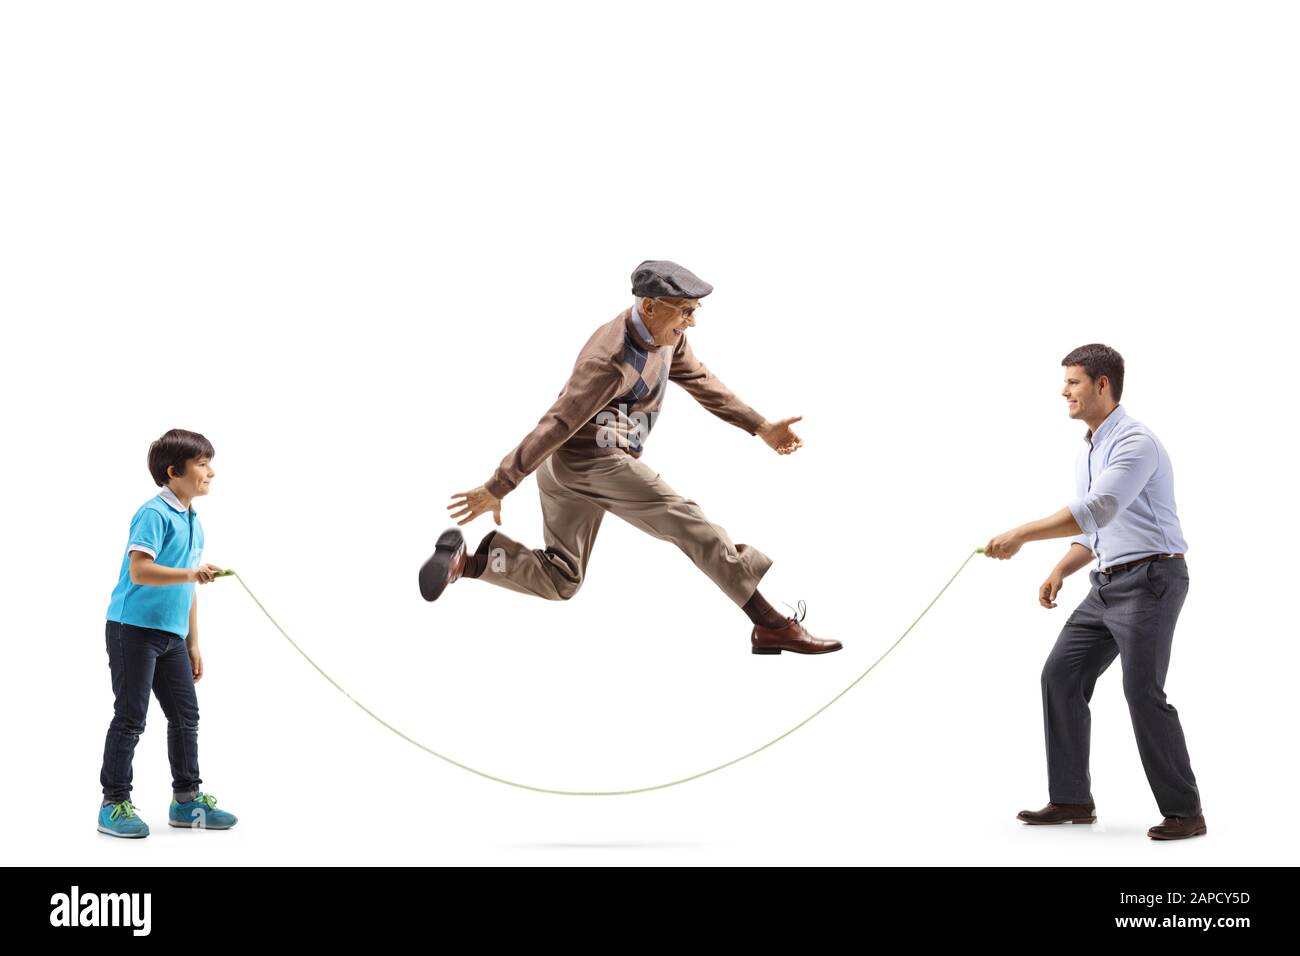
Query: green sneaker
pixel 201 813
pixel 119 820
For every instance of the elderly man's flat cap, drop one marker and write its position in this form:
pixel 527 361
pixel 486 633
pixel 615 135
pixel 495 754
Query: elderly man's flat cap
pixel 659 277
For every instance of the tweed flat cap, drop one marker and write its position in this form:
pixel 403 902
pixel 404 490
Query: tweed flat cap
pixel 659 277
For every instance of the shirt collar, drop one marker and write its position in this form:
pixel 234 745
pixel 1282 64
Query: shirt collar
pixel 1106 427
pixel 169 496
pixel 638 325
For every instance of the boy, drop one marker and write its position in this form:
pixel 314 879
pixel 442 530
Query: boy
pixel 153 639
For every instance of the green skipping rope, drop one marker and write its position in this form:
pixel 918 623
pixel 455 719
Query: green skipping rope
pixel 601 793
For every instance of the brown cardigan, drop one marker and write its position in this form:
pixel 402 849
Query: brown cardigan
pixel 612 399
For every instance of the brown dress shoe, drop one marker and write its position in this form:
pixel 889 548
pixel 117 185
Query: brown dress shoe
pixel 790 636
pixel 1178 828
pixel 1059 813
pixel 445 565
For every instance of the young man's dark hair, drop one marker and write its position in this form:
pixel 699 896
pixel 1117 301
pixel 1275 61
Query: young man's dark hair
pixel 174 449
pixel 1098 360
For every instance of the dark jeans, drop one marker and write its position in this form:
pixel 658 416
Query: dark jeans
pixel 143 659
pixel 1131 614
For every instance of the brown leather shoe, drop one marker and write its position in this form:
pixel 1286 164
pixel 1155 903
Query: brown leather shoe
pixel 789 637
pixel 1178 828
pixel 1059 813
pixel 445 565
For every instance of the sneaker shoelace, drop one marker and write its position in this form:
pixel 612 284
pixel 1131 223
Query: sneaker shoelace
pixel 124 809
pixel 207 799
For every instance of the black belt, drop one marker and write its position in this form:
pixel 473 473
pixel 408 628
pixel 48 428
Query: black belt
pixel 1133 564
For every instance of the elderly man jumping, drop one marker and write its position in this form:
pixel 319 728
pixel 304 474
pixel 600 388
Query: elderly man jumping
pixel 586 451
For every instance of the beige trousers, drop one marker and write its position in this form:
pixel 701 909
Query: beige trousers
pixel 576 491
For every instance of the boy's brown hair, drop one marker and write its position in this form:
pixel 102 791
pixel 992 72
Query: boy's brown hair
pixel 173 450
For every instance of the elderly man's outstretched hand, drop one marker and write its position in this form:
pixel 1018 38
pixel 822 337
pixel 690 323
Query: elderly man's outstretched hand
pixel 779 435
pixel 474 503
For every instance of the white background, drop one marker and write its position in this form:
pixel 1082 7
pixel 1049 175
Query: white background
pixel 359 246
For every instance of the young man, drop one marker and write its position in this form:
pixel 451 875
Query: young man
pixel 153 639
pixel 1125 514
pixel 587 453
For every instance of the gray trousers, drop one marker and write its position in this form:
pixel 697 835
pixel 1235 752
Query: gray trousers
pixel 1131 614
pixel 577 491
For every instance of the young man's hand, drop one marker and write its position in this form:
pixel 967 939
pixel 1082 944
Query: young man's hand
pixel 1050 587
pixel 204 573
pixel 196 662
pixel 1004 545
pixel 779 435
pixel 474 503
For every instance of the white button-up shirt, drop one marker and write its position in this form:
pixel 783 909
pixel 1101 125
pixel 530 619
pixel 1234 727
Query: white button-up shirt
pixel 1125 502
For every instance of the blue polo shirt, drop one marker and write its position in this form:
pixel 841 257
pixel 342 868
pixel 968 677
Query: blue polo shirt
pixel 172 535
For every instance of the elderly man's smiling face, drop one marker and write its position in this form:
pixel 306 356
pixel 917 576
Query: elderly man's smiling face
pixel 668 318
